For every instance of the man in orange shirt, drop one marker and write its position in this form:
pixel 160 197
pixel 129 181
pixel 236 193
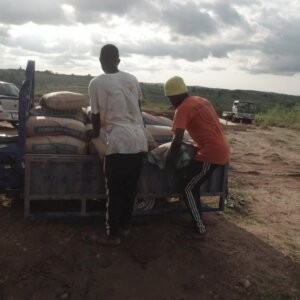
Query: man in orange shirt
pixel 198 117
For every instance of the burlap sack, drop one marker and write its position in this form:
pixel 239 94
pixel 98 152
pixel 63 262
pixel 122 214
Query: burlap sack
pixel 164 134
pixel 158 155
pixel 76 114
pixel 152 144
pixel 97 145
pixel 155 120
pixel 60 144
pixel 45 126
pixel 64 100
pixel 165 121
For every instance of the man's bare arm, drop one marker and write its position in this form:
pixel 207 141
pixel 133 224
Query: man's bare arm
pixel 95 118
pixel 175 148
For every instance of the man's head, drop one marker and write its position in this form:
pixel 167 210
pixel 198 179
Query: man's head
pixel 109 58
pixel 175 90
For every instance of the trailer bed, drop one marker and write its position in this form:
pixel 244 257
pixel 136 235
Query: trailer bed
pixel 54 177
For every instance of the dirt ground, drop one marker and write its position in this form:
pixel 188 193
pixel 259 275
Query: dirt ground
pixel 253 251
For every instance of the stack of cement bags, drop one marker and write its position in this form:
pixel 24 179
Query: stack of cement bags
pixel 57 126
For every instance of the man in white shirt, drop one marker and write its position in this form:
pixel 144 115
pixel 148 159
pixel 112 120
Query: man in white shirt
pixel 115 106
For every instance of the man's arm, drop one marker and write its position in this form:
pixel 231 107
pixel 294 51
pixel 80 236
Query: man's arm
pixel 94 133
pixel 175 148
pixel 95 118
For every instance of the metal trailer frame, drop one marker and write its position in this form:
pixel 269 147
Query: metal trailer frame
pixel 80 177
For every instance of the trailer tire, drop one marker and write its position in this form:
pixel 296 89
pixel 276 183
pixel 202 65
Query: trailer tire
pixel 144 204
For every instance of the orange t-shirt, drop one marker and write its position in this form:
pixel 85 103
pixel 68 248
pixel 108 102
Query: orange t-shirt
pixel 198 117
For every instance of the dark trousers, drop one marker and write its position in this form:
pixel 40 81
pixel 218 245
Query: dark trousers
pixel 122 172
pixel 193 176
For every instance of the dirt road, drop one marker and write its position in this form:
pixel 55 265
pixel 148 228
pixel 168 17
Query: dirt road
pixel 253 251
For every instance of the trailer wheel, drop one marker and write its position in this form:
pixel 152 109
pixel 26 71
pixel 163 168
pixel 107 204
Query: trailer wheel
pixel 144 204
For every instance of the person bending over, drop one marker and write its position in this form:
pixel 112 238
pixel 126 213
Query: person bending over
pixel 198 117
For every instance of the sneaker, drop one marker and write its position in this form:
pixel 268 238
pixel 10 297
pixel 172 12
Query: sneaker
pixel 109 240
pixel 125 232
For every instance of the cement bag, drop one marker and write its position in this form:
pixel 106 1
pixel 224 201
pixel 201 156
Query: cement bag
pixel 76 114
pixel 43 126
pixel 165 121
pixel 164 134
pixel 155 120
pixel 97 145
pixel 64 100
pixel 152 144
pixel 158 155
pixel 60 144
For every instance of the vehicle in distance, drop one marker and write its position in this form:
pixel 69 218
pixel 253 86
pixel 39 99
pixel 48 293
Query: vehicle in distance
pixel 9 103
pixel 241 111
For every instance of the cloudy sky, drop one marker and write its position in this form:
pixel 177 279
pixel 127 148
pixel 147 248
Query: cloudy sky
pixel 238 44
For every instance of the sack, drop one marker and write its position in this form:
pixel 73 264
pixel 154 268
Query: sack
pixel 152 144
pixel 186 154
pixel 60 144
pixel 156 120
pixel 64 100
pixel 43 126
pixel 76 114
pixel 97 145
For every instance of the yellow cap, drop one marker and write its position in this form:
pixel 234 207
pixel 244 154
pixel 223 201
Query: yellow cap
pixel 175 86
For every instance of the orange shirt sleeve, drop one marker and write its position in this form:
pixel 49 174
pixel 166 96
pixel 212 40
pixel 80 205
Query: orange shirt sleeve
pixel 180 118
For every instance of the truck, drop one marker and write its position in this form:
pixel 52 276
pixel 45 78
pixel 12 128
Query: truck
pixel 9 101
pixel 40 179
pixel 243 111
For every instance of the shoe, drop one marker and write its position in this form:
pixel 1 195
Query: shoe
pixel 124 233
pixel 109 240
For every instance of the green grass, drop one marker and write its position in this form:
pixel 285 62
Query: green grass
pixel 281 116
pixel 269 105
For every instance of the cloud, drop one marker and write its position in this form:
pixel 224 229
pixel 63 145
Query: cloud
pixel 4 31
pixel 188 19
pixel 256 36
pixel 280 50
pixel 20 12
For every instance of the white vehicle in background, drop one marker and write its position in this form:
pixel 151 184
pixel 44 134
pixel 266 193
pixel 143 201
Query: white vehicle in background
pixel 241 111
pixel 9 103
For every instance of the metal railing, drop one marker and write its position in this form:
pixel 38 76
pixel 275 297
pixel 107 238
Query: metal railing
pixel 26 102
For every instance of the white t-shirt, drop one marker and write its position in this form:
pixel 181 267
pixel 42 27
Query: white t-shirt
pixel 115 96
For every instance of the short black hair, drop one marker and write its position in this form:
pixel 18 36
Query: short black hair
pixel 109 53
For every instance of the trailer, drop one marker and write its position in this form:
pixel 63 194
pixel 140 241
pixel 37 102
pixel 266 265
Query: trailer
pixel 79 179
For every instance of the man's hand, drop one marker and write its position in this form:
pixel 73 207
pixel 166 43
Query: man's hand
pixel 174 149
pixel 91 134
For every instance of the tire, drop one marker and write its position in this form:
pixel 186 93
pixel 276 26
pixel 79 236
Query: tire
pixel 235 120
pixel 144 204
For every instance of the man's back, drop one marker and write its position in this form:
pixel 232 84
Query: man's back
pixel 116 97
pixel 199 118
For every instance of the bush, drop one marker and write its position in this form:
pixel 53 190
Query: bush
pixel 280 116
